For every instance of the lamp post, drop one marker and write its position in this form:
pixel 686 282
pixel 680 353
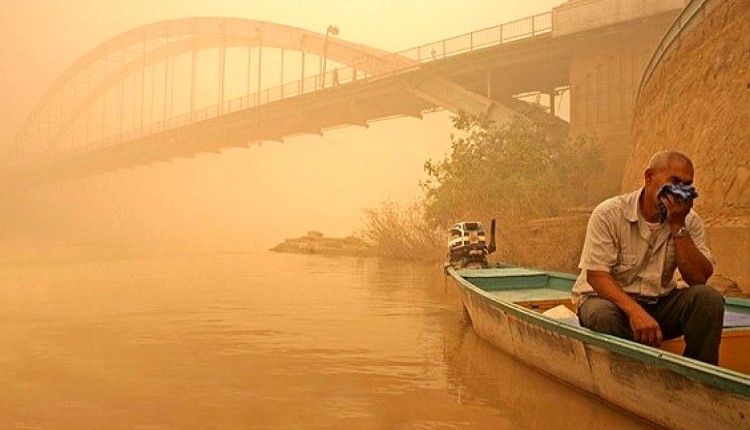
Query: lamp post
pixel 332 30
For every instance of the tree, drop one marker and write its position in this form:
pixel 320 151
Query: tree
pixel 513 170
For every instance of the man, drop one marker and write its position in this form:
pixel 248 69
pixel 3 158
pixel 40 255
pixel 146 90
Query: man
pixel 632 247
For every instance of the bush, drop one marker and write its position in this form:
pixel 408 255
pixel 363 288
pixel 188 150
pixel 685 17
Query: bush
pixel 403 232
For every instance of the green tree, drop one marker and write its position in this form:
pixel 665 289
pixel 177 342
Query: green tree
pixel 513 172
pixel 516 170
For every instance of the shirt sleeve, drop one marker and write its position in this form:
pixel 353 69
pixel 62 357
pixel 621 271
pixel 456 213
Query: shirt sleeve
pixel 698 234
pixel 600 246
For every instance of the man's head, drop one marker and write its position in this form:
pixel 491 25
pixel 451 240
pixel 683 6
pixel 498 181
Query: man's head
pixel 666 167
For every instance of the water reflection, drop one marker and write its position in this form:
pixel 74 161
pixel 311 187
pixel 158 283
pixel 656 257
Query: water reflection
pixel 256 340
pixel 482 375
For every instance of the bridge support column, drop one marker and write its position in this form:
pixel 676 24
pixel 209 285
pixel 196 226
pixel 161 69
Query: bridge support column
pixel 222 63
pixel 88 112
pixel 143 81
pixel 551 93
pixel 302 79
pixel 122 102
pixel 104 107
pixel 489 84
pixel 281 87
pixel 260 62
pixel 193 73
pixel 166 78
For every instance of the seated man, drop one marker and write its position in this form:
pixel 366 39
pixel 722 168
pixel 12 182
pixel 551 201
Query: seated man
pixel 633 244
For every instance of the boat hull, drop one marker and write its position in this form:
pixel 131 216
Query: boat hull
pixel 664 388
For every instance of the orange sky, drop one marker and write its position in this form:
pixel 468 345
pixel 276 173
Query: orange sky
pixel 263 194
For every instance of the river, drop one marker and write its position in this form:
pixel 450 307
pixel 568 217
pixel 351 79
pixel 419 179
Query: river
pixel 95 339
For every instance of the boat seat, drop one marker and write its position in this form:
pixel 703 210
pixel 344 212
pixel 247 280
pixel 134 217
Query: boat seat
pixel 736 319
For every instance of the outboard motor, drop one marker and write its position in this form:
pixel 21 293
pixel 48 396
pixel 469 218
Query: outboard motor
pixel 492 248
pixel 468 247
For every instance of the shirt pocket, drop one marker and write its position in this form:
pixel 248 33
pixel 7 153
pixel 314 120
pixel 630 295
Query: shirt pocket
pixel 625 264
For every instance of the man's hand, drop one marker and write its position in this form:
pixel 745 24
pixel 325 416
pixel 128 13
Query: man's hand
pixel 694 266
pixel 645 328
pixel 677 210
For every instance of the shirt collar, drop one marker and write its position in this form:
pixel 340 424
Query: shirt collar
pixel 631 215
pixel 632 205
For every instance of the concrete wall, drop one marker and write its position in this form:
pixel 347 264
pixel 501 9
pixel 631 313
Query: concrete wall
pixel 604 78
pixel 698 101
pixel 580 15
pixel 729 240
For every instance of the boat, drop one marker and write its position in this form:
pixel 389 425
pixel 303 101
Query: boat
pixel 528 313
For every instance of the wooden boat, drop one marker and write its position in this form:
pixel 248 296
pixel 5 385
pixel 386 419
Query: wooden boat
pixel 506 306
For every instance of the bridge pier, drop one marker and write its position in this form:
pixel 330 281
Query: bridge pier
pixel 604 77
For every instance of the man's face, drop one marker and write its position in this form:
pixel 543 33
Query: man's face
pixel 679 172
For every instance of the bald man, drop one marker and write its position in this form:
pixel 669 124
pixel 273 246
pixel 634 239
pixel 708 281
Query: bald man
pixel 626 287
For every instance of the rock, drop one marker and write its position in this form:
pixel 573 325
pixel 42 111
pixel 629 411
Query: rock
pixel 314 242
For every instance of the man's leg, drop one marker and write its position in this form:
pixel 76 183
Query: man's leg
pixel 698 313
pixel 604 316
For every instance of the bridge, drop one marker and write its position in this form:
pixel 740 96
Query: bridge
pixel 182 87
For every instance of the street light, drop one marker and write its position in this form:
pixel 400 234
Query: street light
pixel 334 31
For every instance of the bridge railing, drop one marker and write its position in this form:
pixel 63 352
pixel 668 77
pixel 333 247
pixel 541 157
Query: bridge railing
pixel 391 64
pixel 521 29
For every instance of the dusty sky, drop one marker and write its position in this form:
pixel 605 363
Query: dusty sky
pixel 263 194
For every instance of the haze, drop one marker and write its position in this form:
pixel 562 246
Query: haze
pixel 242 197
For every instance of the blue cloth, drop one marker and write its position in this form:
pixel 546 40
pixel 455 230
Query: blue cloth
pixel 680 192
pixel 736 319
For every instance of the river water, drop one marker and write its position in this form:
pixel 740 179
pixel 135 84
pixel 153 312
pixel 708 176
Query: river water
pixel 257 340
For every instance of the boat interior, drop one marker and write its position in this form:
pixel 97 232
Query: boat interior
pixel 549 293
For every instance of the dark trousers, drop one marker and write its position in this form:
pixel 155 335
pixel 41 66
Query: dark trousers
pixel 696 312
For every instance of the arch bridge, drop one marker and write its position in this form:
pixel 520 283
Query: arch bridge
pixel 181 87
pixel 185 86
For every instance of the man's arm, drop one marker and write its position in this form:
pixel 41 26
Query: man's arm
pixel 645 328
pixel 694 267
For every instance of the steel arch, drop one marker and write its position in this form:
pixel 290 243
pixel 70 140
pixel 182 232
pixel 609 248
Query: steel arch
pixel 149 44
